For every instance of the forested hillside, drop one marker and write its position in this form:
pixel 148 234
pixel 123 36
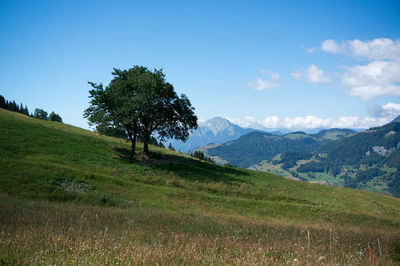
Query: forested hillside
pixel 366 160
pixel 255 147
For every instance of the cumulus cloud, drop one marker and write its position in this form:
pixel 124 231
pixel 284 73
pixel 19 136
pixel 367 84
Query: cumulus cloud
pixel 331 46
pixel 389 110
pixel 312 74
pixel 271 81
pixel 311 122
pixel 372 80
pixel 377 78
pixel 376 49
pixel 379 115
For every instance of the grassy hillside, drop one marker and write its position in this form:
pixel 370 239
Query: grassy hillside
pixel 68 195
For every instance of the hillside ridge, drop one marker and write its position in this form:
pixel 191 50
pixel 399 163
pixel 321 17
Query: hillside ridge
pixel 64 190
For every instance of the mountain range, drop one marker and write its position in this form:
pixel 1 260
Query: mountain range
pixel 216 130
pixel 219 130
pixel 365 160
pixel 254 147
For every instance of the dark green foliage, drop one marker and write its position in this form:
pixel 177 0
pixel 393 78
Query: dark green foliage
pixel 3 102
pixel 110 130
pixel 394 160
pixel 312 167
pixel 200 155
pixel 353 150
pixel 395 252
pixel 55 117
pixel 334 171
pixel 12 106
pixel 289 159
pixel 394 185
pixel 254 147
pixel 170 147
pixel 141 102
pixel 362 177
pixel 40 114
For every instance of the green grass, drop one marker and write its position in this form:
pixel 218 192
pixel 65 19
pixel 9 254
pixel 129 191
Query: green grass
pixel 68 195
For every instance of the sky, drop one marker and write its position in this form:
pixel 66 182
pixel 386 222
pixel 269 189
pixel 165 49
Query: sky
pixel 282 64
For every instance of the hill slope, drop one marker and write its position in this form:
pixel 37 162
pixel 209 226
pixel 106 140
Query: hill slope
pixel 366 160
pixel 255 147
pixel 68 195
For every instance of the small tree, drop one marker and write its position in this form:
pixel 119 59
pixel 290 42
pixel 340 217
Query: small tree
pixel 170 147
pixel 26 111
pixel 141 102
pixel 55 117
pixel 40 113
pixel 3 103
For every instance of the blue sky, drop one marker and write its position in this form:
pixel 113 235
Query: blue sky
pixel 293 64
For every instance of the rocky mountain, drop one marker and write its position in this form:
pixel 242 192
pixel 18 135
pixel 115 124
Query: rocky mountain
pixel 216 130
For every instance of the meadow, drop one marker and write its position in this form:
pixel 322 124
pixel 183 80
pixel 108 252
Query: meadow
pixel 71 196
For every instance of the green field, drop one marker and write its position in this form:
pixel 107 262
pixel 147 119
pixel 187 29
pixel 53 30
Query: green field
pixel 70 196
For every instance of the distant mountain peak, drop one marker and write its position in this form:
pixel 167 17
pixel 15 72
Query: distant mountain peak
pixel 217 124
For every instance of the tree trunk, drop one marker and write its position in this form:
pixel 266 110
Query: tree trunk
pixel 146 139
pixel 132 138
pixel 133 141
pixel 133 144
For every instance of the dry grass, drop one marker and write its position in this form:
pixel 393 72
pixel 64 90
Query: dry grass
pixel 39 232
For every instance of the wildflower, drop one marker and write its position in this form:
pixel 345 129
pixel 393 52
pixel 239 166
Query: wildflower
pixel 58 239
pixel 70 249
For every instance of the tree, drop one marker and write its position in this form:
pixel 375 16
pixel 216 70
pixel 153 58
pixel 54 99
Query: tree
pixel 3 103
pixel 55 117
pixel 141 102
pixel 40 113
pixel 26 111
pixel 170 147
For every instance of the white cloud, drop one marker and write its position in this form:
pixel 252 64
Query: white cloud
pixel 389 110
pixel 331 46
pixel 377 78
pixel 372 80
pixel 311 50
pixel 312 74
pixel 272 81
pixel 273 75
pixel 262 85
pixel 311 122
pixel 376 49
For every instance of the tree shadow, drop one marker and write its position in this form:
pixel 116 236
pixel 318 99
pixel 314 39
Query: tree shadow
pixel 124 154
pixel 185 167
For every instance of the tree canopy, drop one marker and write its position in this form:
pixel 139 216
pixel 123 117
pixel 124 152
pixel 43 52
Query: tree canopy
pixel 140 102
pixel 40 114
pixel 55 117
